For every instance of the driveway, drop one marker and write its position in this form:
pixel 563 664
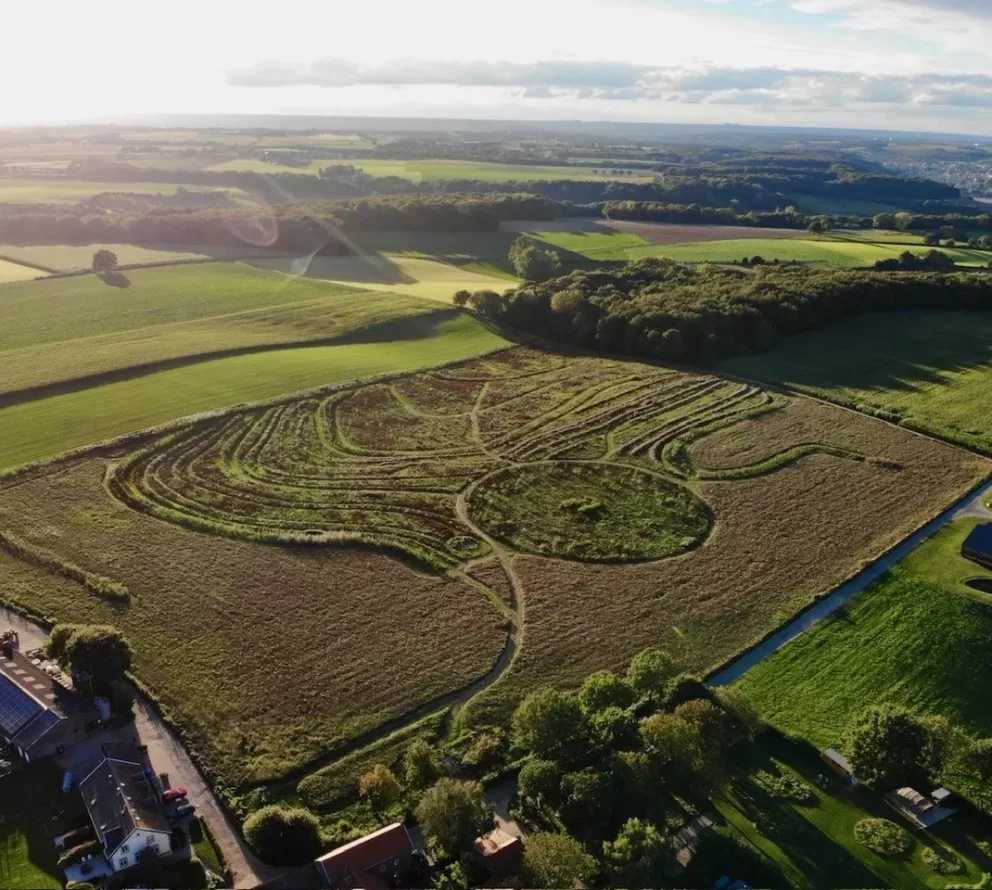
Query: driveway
pixel 167 756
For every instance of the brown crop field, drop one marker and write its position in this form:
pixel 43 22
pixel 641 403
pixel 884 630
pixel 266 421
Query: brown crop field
pixel 306 578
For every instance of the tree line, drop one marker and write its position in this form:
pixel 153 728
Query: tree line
pixel 300 226
pixel 660 309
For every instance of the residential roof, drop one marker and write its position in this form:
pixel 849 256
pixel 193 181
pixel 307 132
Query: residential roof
pixel 366 852
pixel 32 700
pixel 501 850
pixel 496 840
pixel 980 538
pixel 120 795
pixel 914 805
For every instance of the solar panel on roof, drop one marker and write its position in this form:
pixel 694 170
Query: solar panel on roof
pixel 16 707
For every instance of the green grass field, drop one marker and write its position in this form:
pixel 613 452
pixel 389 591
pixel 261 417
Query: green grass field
pixel 46 427
pixel 70 191
pixel 33 811
pixel 839 253
pixel 410 275
pixel 437 170
pixel 918 637
pixel 16 272
pixel 73 257
pixel 173 313
pixel 929 370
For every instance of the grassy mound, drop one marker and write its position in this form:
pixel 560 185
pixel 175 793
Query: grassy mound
pixel 590 512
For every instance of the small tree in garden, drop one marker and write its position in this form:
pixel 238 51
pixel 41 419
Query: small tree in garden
pixel 890 747
pixel 380 788
pixel 556 860
pixel 422 767
pixel 453 814
pixel 104 260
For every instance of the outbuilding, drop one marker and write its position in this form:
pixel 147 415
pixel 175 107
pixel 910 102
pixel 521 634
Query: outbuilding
pixel 839 764
pixel 40 715
pixel 978 545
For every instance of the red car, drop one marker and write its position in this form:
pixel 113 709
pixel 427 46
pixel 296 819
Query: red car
pixel 173 794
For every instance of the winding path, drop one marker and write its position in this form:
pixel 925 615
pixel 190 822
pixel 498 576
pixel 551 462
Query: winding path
pixel 973 504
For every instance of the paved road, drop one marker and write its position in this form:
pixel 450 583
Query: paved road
pixel 168 755
pixel 971 505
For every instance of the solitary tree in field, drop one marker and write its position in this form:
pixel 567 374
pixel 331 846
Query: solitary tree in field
pixel 380 788
pixel 104 260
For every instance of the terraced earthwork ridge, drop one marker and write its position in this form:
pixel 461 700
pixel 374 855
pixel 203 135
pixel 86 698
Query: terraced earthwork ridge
pixel 580 459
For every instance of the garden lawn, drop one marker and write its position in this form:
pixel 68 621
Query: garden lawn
pixel 813 844
pixel 931 371
pixel 45 427
pixel 916 638
pixel 33 811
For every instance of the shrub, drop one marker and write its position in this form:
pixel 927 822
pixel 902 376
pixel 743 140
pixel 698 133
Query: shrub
pixel 944 862
pixel 883 837
pixel 422 767
pixel 283 835
pixel 74 854
pixel 785 786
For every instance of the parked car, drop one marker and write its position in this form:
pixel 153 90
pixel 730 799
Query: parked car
pixel 173 794
pixel 186 809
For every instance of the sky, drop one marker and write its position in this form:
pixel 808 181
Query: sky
pixel 916 65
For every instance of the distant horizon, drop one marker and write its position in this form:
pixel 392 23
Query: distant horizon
pixel 383 122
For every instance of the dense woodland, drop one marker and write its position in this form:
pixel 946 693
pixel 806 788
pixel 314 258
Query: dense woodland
pixel 661 309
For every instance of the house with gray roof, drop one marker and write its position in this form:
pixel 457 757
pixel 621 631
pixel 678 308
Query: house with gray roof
pixel 122 798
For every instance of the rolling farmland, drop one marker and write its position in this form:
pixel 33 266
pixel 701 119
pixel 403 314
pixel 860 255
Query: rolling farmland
pixel 107 326
pixel 15 272
pixel 69 191
pixel 44 427
pixel 684 500
pixel 931 371
pixel 441 169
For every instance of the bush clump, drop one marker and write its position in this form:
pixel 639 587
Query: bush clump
pixel 944 862
pixel 883 837
pixel 283 835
